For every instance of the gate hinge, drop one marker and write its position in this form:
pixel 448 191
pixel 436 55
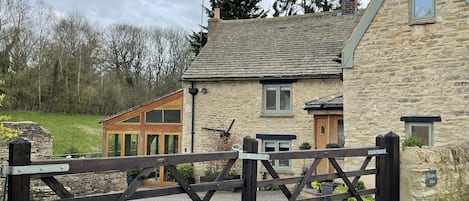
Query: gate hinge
pixel 34 169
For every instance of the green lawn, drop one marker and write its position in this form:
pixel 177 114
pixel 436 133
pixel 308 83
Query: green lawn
pixel 72 133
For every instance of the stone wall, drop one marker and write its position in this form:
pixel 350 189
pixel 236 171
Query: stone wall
pixel 41 148
pixel 451 163
pixel 40 139
pixel 81 185
pixel 409 70
pixel 242 100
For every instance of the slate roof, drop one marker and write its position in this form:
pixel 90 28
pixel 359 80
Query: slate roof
pixel 138 106
pixel 333 101
pixel 302 46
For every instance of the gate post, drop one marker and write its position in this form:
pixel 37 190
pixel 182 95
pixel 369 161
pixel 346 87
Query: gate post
pixel 19 155
pixel 387 166
pixel 250 145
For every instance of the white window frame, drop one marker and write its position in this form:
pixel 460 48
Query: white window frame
pixel 277 99
pixel 277 142
pixel 409 125
pixel 420 20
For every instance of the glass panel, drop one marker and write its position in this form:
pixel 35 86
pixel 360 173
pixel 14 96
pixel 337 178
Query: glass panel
pixel 269 146
pixel 172 116
pixel 170 144
pixel 270 98
pixel 154 116
pixel 285 103
pixel 135 119
pixel 423 8
pixel 283 146
pixel 130 145
pixel 340 131
pixel 153 144
pixel 421 132
pixel 114 148
pixel 168 175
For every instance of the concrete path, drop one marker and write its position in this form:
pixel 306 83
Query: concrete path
pixel 225 195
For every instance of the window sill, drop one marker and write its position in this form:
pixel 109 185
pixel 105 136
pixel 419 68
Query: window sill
pixel 277 115
pixel 422 21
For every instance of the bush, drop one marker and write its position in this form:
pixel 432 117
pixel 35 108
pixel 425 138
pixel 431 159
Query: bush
pixel 360 186
pixel 305 146
pixel 133 172
pixel 186 170
pixel 332 145
pixel 412 141
pixel 271 187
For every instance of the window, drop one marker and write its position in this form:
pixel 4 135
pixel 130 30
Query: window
pixel 154 116
pixel 114 148
pixel 130 145
pixel 423 131
pixel 421 127
pixel 275 146
pixel 163 116
pixel 172 116
pixel 422 11
pixel 153 144
pixel 135 119
pixel 122 144
pixel 277 99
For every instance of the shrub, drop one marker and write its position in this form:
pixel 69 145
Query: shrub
pixel 332 145
pixel 412 141
pixel 186 170
pixel 316 184
pixel 305 146
pixel 133 172
pixel 271 187
pixel 360 186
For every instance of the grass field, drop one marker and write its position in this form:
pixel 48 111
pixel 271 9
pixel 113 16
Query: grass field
pixel 72 133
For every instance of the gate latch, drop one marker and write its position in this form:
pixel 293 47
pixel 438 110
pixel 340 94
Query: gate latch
pixel 249 156
pixel 34 169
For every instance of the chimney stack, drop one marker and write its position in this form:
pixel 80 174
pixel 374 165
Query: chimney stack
pixel 349 7
pixel 213 22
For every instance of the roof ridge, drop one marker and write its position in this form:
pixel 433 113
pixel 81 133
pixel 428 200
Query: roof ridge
pixel 307 15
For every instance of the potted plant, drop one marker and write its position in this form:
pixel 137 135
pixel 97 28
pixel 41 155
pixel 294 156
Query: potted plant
pixel 187 172
pixel 316 186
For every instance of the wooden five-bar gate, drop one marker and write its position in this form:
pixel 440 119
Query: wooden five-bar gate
pixel 21 169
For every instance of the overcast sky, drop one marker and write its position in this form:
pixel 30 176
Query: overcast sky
pixel 163 13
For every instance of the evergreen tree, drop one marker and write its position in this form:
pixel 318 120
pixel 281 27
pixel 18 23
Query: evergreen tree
pixel 196 38
pixel 295 7
pixel 230 10
pixel 238 9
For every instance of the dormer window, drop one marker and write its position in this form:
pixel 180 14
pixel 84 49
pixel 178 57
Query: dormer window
pixel 422 11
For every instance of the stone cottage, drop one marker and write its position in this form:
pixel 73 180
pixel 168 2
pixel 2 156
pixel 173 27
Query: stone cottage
pixel 406 70
pixel 260 73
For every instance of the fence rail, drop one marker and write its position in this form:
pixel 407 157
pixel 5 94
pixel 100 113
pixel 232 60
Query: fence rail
pixel 387 172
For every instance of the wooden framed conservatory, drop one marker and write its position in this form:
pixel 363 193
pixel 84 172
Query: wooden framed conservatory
pixel 151 128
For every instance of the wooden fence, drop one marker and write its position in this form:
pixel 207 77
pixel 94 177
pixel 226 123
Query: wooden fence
pixel 21 169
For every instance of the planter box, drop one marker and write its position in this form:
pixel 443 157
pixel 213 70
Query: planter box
pixel 327 188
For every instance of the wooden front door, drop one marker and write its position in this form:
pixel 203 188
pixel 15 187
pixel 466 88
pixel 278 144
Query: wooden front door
pixel 327 129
